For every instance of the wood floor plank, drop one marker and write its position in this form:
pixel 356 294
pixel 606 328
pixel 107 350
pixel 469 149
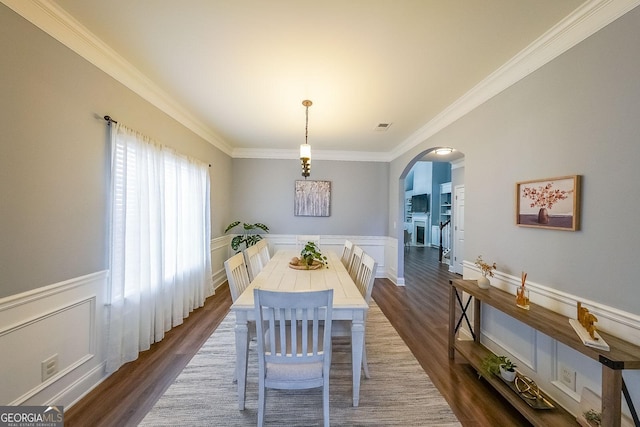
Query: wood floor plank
pixel 418 311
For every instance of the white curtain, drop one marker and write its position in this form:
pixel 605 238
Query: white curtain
pixel 159 252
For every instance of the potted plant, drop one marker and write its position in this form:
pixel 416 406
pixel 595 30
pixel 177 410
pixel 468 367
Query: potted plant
pixel 507 370
pixel 593 417
pixel 491 365
pixel 486 270
pixel 496 365
pixel 311 253
pixel 249 237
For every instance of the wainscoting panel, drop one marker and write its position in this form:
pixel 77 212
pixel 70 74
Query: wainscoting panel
pixel 517 340
pixel 220 252
pixel 62 321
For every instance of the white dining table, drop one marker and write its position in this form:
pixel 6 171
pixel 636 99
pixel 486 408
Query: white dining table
pixel 348 304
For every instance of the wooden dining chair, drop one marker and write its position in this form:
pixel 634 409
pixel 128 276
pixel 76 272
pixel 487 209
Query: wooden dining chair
pixel 297 354
pixel 346 253
pixel 253 261
pixel 364 281
pixel 263 248
pixel 355 261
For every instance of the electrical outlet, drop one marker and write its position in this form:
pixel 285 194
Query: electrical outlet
pixel 49 367
pixel 568 377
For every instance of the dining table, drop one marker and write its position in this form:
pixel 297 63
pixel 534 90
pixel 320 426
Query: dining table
pixel 278 275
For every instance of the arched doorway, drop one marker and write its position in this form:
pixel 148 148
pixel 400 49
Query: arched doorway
pixel 423 225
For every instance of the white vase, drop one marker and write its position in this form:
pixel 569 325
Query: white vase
pixel 484 283
pixel 507 375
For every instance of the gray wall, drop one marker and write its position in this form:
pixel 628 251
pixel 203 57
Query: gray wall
pixel 576 115
pixel 264 189
pixel 53 157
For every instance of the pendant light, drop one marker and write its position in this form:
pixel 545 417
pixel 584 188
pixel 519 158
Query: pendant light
pixel 305 149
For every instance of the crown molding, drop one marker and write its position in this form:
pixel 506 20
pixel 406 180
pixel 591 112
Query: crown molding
pixel 581 23
pixel 587 19
pixel 56 22
pixel 289 154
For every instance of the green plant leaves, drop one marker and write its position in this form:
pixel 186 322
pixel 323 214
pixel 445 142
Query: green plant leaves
pixel 230 226
pixel 247 238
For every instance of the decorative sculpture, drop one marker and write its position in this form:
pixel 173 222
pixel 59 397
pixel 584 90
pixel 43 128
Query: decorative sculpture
pixel 587 320
pixel 586 329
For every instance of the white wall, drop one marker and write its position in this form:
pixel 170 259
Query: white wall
pixel 264 189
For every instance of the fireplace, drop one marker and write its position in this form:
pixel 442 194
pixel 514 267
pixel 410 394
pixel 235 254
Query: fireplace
pixel 419 234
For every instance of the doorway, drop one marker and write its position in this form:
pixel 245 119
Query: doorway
pixel 423 227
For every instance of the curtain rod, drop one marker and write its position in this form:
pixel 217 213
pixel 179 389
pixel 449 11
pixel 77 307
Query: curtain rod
pixel 110 120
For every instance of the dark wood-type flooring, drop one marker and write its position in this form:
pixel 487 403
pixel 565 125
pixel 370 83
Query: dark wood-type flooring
pixel 418 311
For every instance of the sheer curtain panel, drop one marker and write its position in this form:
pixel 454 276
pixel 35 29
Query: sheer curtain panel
pixel 159 253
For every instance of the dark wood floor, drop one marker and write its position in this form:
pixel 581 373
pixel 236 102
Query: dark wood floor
pixel 418 311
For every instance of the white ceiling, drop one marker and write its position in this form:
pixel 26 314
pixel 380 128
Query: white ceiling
pixel 241 68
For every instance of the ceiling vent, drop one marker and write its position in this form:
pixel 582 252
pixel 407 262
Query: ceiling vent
pixel 382 127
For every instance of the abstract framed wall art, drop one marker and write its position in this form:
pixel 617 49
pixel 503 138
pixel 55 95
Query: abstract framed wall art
pixel 549 203
pixel 312 198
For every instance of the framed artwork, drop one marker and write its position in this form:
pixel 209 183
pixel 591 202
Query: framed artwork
pixel 549 203
pixel 312 198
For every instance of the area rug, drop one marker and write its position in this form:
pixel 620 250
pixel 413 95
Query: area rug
pixel 399 392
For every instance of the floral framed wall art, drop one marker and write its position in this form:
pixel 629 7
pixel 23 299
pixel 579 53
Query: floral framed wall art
pixel 312 198
pixel 549 203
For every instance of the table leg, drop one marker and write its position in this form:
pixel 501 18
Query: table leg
pixel 452 320
pixel 357 344
pixel 611 396
pixel 242 350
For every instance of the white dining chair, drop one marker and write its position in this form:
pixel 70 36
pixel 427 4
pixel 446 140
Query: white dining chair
pixel 237 275
pixel 346 253
pixel 238 279
pixel 253 261
pixel 364 281
pixel 355 261
pixel 302 240
pixel 263 248
pixel 297 354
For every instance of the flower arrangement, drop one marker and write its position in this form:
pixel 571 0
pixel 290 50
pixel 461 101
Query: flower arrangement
pixel 544 196
pixel 487 269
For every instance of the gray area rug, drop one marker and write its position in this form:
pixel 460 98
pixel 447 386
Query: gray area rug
pixel 399 392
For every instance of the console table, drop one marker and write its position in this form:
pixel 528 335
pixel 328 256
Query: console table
pixel 623 355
